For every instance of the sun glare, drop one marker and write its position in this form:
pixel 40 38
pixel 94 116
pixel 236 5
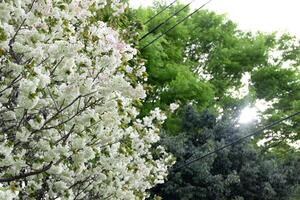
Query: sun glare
pixel 248 114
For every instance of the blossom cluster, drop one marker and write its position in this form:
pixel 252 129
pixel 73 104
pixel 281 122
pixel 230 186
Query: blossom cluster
pixel 68 126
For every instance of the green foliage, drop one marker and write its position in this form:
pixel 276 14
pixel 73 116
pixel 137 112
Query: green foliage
pixel 239 172
pixel 278 82
pixel 187 87
pixel 198 62
pixel 206 43
pixel 273 81
pixel 296 194
pixel 3 35
pixel 224 52
pixel 207 56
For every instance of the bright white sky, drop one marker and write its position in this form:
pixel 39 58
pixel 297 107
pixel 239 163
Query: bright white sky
pixel 253 15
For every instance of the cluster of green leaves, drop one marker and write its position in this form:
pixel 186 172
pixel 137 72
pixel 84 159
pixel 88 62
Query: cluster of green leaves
pixel 278 82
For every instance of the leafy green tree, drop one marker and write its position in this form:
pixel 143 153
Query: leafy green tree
pixel 239 172
pixel 205 58
pixel 207 43
pixel 199 63
pixel 278 82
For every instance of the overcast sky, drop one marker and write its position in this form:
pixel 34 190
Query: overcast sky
pixel 254 15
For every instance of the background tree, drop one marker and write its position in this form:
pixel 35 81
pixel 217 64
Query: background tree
pixel 205 58
pixel 201 62
pixel 278 82
pixel 239 172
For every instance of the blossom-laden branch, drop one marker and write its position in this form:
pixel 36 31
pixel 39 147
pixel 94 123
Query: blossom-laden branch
pixel 25 175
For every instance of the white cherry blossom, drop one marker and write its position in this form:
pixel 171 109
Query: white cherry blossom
pixel 67 121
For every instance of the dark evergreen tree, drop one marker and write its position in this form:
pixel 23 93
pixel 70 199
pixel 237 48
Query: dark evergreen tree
pixel 239 172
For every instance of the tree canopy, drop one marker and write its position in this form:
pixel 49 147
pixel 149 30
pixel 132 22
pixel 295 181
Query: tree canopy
pixel 241 171
pixel 202 62
pixel 206 57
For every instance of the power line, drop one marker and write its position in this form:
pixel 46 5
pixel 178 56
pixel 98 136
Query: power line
pixel 151 18
pixel 165 21
pixel 179 22
pixel 240 140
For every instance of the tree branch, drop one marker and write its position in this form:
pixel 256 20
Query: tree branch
pixel 22 176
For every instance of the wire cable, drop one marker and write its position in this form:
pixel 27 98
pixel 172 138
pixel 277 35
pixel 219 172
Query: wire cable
pixel 165 21
pixel 240 140
pixel 179 22
pixel 154 16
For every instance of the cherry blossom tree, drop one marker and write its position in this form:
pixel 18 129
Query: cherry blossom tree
pixel 68 124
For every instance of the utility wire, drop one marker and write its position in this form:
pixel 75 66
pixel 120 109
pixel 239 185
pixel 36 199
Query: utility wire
pixel 151 18
pixel 165 21
pixel 179 22
pixel 242 139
